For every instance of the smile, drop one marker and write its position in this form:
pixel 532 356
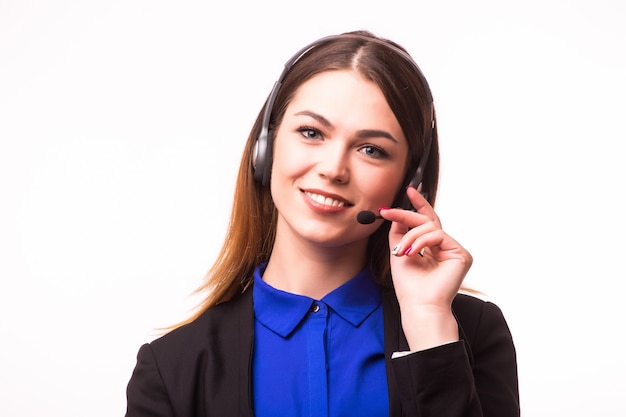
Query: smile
pixel 326 201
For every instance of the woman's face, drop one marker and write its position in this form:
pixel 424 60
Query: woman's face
pixel 338 150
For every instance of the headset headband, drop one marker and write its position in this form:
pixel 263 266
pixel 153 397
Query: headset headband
pixel 262 163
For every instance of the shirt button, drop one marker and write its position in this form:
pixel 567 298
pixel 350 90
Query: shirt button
pixel 315 308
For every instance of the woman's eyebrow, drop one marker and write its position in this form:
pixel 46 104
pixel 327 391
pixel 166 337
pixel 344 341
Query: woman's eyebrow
pixel 374 133
pixel 321 119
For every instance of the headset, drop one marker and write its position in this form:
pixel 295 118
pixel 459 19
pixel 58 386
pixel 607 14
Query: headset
pixel 262 157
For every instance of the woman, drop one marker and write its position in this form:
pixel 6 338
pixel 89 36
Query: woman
pixel 311 312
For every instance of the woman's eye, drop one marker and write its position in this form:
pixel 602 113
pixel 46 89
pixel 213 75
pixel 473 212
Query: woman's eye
pixel 374 152
pixel 310 133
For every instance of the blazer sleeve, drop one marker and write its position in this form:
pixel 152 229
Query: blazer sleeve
pixel 474 377
pixel 146 394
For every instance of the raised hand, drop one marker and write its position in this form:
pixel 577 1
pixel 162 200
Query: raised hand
pixel 428 267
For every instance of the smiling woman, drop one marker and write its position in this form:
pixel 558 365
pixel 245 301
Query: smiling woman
pixel 311 312
pixel 335 154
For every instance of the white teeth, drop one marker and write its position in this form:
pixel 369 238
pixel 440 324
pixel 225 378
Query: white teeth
pixel 327 201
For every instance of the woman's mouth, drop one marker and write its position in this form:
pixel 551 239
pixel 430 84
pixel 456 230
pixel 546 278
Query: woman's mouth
pixel 326 200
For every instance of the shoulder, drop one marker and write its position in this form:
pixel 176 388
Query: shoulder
pixel 481 323
pixel 471 307
pixel 209 330
pixel 468 304
pixel 472 311
pixel 172 370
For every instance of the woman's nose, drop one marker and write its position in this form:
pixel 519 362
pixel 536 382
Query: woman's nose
pixel 334 165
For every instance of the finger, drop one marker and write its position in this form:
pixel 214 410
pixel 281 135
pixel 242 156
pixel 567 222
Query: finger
pixel 405 219
pixel 414 241
pixel 420 204
pixel 440 245
pixel 416 198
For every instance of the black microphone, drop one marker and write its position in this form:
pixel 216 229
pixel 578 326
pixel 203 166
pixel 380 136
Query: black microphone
pixel 367 217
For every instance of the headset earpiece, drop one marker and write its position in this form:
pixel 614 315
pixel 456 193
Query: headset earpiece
pixel 262 157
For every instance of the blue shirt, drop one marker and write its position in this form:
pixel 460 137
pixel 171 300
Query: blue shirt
pixel 319 357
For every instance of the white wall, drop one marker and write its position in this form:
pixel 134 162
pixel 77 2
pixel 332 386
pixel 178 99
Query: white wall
pixel 121 127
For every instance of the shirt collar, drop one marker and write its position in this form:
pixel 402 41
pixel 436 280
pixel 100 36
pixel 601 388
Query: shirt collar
pixel 281 311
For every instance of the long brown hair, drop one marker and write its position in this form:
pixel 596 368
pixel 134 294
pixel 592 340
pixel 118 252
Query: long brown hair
pixel 251 231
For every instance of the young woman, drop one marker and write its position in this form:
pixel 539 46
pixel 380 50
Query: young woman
pixel 336 292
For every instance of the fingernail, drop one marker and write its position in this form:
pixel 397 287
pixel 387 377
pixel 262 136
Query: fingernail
pixel 395 250
pixel 384 208
pixel 408 250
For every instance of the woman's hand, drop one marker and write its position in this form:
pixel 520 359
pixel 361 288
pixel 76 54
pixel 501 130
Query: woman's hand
pixel 427 267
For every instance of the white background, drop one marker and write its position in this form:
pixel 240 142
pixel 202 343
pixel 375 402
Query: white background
pixel 121 128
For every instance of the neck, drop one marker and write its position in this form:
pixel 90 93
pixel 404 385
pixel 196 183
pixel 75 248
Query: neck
pixel 313 271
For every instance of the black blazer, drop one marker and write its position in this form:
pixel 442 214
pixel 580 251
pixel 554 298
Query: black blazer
pixel 203 369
